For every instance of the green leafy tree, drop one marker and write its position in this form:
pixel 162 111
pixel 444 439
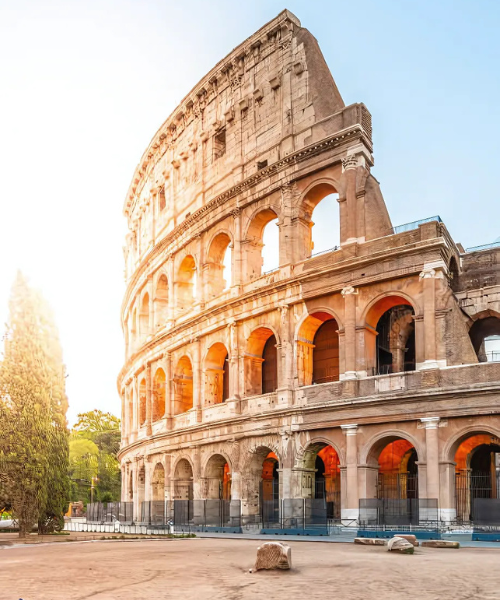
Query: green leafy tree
pixel 33 434
pixel 103 430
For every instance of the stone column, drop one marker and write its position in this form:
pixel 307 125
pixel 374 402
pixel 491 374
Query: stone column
pixel 197 382
pixel 349 338
pixel 200 274
pixel 125 415
pixel 351 511
pixel 349 165
pixel 149 407
pixel 428 277
pixel 135 406
pixel 431 425
pixel 168 390
pixel 171 290
pixel 237 262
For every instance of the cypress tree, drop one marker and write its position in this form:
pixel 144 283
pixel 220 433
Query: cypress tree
pixel 33 432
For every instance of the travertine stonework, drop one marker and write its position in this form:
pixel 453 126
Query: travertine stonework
pixel 209 406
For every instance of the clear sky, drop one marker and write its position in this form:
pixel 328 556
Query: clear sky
pixel 84 85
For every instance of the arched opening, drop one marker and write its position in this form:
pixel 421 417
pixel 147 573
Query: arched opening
pixel 133 330
pixel 321 477
pixel 158 483
pixel 319 228
pixel 141 485
pixel 269 490
pixel 130 411
pixel 261 363
pixel 390 336
pixel 161 302
pixel 485 338
pixel 477 476
pixel 144 317
pixel 318 349
pixel 131 486
pixel 216 375
pixel 453 274
pixel 392 479
pixel 186 284
pixel 218 268
pixel 217 479
pixel 183 386
pixel 159 394
pixel 261 246
pixel 183 480
pixel 142 402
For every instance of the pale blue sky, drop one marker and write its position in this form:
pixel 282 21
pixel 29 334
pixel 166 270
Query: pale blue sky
pixel 84 86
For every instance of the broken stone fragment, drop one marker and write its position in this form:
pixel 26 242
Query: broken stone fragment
pixel 370 541
pixel 399 544
pixel 273 555
pixel 440 544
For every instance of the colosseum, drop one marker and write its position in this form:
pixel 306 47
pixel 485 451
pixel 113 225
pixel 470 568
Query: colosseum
pixel 360 381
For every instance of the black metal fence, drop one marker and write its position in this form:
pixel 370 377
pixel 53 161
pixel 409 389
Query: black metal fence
pixel 395 512
pixel 472 487
pixel 486 513
pixel 109 512
pixel 295 514
pixel 225 514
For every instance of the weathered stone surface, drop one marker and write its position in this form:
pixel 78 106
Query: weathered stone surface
pixel 440 544
pixel 274 555
pixel 399 544
pixel 370 541
pixel 409 538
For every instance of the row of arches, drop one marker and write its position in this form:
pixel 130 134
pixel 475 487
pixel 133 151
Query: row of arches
pixel 260 253
pixel 394 475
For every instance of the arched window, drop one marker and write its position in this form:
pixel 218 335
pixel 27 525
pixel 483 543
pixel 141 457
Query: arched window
pixel 216 375
pixel 142 402
pixel 159 394
pixel 161 302
pixel 219 266
pixel 318 349
pixel 261 363
pixel 261 247
pixel 144 317
pixel 186 284
pixel 319 228
pixel 485 338
pixel 218 478
pixel 183 386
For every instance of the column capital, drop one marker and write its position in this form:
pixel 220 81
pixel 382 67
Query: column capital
pixel 428 273
pixel 348 290
pixel 351 429
pixel 430 422
pixel 349 162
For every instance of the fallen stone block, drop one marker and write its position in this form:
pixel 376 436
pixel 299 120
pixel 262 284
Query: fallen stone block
pixel 409 538
pixel 274 555
pixel 440 544
pixel 399 544
pixel 370 541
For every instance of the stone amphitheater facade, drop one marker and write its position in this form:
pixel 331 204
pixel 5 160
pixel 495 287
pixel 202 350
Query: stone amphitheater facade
pixel 361 369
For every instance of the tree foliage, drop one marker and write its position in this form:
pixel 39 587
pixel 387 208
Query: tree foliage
pixel 33 404
pixel 95 430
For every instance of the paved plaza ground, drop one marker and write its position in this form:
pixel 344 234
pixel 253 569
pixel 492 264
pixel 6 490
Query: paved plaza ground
pixel 209 569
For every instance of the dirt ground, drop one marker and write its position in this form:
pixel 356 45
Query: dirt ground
pixel 209 569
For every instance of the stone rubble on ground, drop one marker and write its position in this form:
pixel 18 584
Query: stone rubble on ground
pixel 274 555
pixel 399 544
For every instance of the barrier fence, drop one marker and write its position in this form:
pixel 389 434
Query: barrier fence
pixel 299 515
pixel 395 512
pixel 109 512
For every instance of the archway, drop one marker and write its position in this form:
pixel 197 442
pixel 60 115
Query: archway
pixel 183 480
pixel 318 349
pixel 217 479
pixel 390 336
pixel 485 338
pixel 216 374
pixel 142 402
pixel 319 225
pixel 161 302
pixel 186 284
pixel 261 362
pixel 158 483
pixel 141 485
pixel 133 330
pixel 131 486
pixel 218 268
pixel 321 477
pixel 159 394
pixel 257 260
pixel 477 475
pixel 183 386
pixel 144 317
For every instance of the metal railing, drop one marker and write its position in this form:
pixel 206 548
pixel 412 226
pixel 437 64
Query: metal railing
pixel 484 247
pixel 415 224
